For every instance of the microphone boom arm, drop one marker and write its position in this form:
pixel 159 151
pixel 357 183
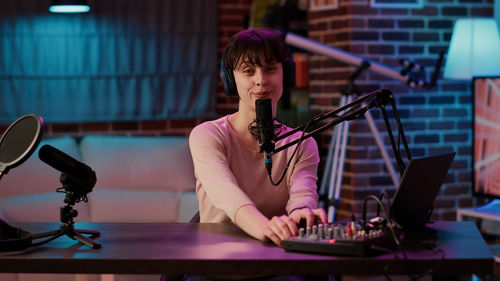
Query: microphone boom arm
pixel 379 98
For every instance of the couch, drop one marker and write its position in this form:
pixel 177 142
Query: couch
pixel 139 179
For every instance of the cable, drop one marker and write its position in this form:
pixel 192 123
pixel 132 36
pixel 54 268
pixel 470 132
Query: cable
pixel 345 117
pixel 326 115
pixel 388 219
pixel 77 200
pixel 291 157
pixel 56 235
pixel 352 112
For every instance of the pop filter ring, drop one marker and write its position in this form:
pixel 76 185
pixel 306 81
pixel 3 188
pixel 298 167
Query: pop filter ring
pixel 17 144
pixel 19 141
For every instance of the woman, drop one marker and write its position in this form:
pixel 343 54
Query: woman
pixel 232 182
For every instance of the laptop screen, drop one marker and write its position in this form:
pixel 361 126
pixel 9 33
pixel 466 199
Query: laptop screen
pixel 413 202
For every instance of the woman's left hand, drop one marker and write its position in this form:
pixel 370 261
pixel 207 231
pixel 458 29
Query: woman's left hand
pixel 309 215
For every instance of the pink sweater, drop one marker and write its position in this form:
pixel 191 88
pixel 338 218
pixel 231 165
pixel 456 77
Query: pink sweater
pixel 230 175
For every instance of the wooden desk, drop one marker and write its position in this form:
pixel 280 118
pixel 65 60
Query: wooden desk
pixel 224 249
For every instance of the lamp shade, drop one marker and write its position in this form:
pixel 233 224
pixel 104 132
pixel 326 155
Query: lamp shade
pixel 474 49
pixel 69 6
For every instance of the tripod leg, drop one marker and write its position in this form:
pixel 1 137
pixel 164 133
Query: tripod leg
pixel 340 161
pixel 93 233
pixel 85 240
pixel 328 164
pixel 340 168
pixel 335 162
pixel 381 147
pixel 335 176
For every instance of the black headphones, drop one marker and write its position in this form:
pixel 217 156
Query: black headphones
pixel 227 76
pixel 13 239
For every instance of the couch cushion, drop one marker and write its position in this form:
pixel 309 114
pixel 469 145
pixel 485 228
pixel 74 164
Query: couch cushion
pixel 39 207
pixel 139 163
pixel 188 205
pixel 34 176
pixel 113 205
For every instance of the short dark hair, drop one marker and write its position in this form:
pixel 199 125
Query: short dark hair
pixel 255 44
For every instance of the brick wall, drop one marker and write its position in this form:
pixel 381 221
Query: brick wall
pixel 435 120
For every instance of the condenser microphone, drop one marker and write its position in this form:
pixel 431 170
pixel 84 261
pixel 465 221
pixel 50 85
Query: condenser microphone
pixel 67 164
pixel 265 130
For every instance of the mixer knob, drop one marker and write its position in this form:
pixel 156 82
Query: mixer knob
pixel 330 233
pixel 313 237
pixel 337 232
pixel 321 231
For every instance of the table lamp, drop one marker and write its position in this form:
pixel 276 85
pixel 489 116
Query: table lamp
pixel 474 49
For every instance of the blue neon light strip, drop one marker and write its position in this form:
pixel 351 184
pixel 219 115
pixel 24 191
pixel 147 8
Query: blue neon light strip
pixel 69 8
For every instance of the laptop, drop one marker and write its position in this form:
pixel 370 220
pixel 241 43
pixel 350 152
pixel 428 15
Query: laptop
pixel 413 202
pixel 411 207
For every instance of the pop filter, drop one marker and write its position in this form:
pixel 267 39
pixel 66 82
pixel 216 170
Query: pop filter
pixel 17 144
pixel 19 141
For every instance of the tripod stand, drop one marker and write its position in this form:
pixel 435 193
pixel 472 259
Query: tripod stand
pixel 334 167
pixel 336 154
pixel 67 213
pixel 379 98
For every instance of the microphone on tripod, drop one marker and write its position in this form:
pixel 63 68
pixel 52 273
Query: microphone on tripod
pixel 265 130
pixel 67 164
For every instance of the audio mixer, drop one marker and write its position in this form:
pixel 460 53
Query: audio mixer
pixel 347 239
